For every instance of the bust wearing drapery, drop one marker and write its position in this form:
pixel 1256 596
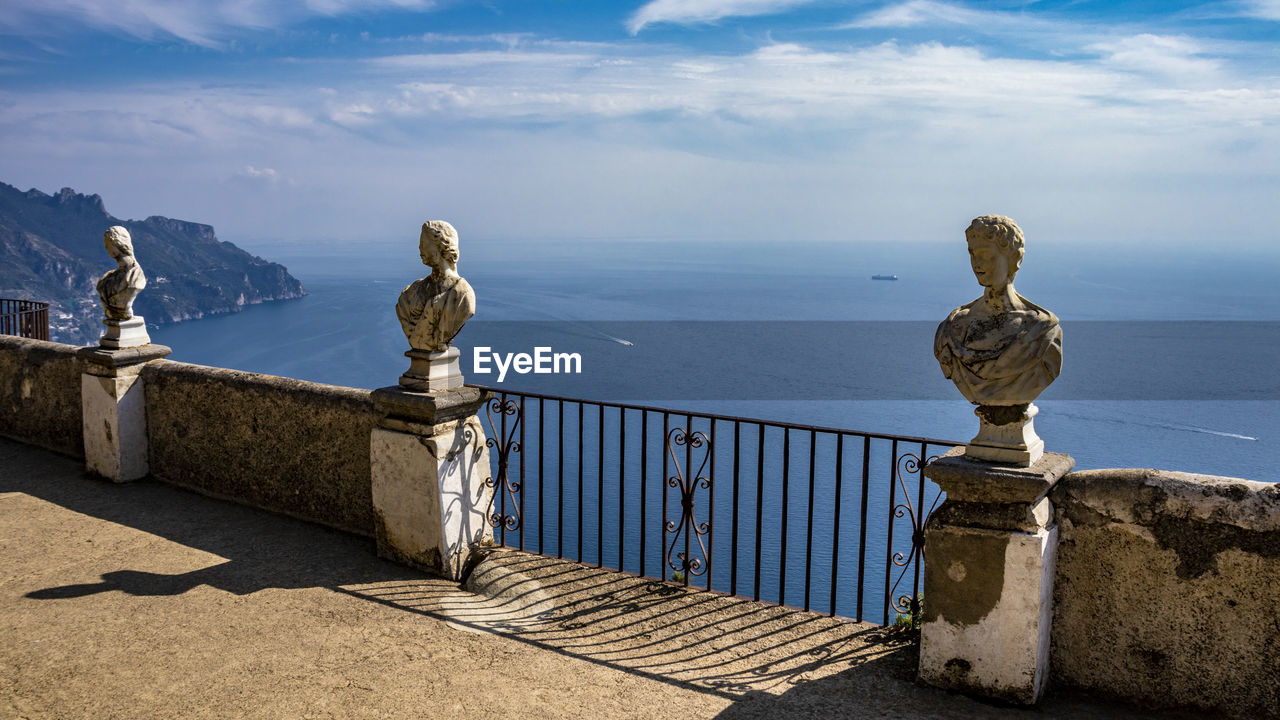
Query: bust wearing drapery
pixel 1001 350
pixel 433 310
pixel 118 288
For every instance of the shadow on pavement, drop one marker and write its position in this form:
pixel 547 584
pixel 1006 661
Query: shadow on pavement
pixel 771 662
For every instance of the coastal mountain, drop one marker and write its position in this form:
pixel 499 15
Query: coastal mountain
pixel 51 250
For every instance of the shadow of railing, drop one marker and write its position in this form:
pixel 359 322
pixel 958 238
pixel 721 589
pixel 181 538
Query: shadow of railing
pixel 696 640
pixel 723 645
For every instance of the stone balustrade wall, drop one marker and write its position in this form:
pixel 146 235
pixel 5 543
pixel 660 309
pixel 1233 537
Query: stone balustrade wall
pixel 1167 590
pixel 1166 584
pixel 40 394
pixel 294 447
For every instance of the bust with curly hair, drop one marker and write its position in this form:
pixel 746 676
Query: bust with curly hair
pixel 1001 349
pixel 433 310
pixel 118 288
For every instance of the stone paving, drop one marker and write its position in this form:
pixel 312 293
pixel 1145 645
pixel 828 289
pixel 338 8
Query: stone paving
pixel 148 601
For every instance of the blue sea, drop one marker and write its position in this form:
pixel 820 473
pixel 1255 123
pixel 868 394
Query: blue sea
pixel 1168 363
pixel 1169 359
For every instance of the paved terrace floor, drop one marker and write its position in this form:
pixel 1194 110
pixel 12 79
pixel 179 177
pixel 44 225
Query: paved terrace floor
pixel 148 601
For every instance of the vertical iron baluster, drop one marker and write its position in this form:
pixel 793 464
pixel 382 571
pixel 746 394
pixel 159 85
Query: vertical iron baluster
pixel 808 543
pixel 888 550
pixel 917 536
pixel 523 422
pixel 755 595
pixel 711 505
pixel 600 488
pixel 693 481
pixel 503 480
pixel 786 492
pixel 644 482
pixel 560 482
pixel 835 538
pixel 502 440
pixel 542 421
pixel 862 522
pixel 622 485
pixel 578 557
pixel 666 429
pixel 733 518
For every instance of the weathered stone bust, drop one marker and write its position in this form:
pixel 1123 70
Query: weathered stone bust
pixel 117 290
pixel 1001 350
pixel 119 287
pixel 432 310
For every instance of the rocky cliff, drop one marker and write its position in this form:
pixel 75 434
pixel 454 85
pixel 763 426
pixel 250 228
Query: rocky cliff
pixel 51 250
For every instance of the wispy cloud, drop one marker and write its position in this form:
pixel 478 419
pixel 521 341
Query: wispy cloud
pixel 207 23
pixel 528 131
pixel 929 12
pixel 1262 9
pixel 1174 57
pixel 687 12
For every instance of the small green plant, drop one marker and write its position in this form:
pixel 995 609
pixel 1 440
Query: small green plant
pixel 677 576
pixel 910 621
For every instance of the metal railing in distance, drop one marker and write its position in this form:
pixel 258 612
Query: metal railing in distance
pixel 797 515
pixel 24 318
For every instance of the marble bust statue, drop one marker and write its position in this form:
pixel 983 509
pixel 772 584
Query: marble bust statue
pixel 119 287
pixel 1001 350
pixel 433 310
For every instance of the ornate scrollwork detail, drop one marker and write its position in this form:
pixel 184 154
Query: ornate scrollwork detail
pixel 909 464
pixel 687 484
pixel 502 439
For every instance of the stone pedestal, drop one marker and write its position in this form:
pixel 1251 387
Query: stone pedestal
pixel 430 465
pixel 431 372
pixel 1006 435
pixel 114 410
pixel 988 581
pixel 125 333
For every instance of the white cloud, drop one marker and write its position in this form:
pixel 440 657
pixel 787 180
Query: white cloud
pixel 263 176
pixel 476 58
pixel 924 12
pixel 592 138
pixel 686 12
pixel 1262 9
pixel 1170 56
pixel 208 22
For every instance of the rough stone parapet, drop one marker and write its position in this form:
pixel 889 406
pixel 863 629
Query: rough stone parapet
pixel 1167 590
pixel 40 394
pixel 290 446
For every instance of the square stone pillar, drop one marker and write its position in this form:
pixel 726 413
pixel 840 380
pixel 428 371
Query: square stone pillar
pixel 988 577
pixel 430 473
pixel 114 410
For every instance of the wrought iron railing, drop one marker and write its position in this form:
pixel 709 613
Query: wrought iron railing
pixel 797 515
pixel 24 318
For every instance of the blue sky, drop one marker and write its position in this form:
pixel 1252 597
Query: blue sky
pixel 1147 123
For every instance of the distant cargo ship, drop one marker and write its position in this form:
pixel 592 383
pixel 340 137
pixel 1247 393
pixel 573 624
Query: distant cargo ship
pixel 884 277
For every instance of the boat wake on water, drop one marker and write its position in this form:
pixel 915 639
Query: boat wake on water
pixel 1159 424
